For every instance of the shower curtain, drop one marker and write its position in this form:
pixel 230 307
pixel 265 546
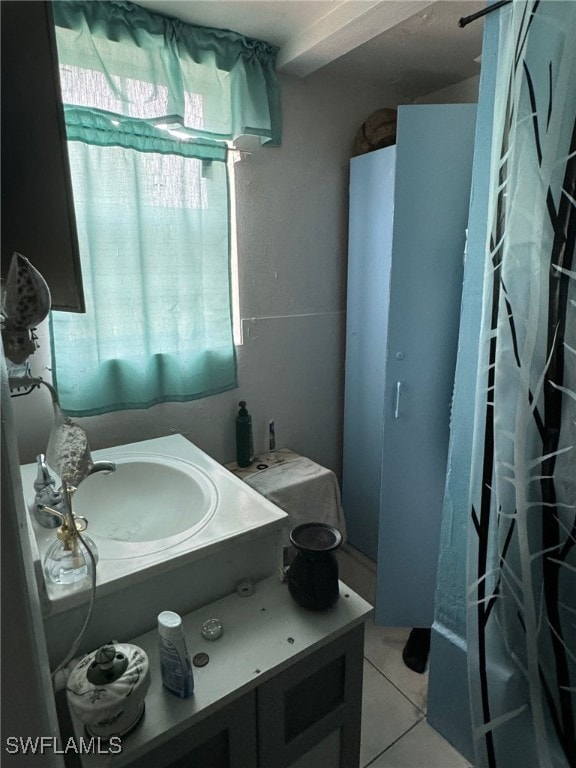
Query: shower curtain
pixel 522 530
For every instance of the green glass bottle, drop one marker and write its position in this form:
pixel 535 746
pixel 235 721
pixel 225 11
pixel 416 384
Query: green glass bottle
pixel 244 446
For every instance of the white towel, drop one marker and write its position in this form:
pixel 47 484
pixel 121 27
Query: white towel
pixel 306 491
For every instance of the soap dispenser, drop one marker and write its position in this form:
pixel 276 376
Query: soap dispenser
pixel 244 446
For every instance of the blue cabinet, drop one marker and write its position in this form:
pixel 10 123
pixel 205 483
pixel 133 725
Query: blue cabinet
pixel 408 218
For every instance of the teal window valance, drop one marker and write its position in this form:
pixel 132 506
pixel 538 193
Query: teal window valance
pixel 149 103
pixel 118 58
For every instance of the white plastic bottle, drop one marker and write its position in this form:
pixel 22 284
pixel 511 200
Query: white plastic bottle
pixel 175 665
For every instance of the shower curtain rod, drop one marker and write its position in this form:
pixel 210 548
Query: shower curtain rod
pixel 467 19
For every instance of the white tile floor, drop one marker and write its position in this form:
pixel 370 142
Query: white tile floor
pixel 395 733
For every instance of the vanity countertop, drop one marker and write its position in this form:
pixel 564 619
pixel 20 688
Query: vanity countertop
pixel 264 634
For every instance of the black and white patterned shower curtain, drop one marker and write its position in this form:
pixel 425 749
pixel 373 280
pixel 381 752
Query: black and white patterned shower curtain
pixel 522 533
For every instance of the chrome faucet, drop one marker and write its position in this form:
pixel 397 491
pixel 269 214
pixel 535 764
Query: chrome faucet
pixel 102 466
pixel 76 462
pixel 48 498
pixel 46 495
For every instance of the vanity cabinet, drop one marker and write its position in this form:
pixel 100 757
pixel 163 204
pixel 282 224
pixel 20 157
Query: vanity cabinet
pixel 308 715
pixel 37 206
pixel 224 740
pixel 282 689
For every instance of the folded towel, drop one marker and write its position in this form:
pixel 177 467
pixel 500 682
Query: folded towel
pixel 306 491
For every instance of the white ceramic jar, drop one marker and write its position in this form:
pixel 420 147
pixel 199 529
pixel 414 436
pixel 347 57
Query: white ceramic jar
pixel 106 690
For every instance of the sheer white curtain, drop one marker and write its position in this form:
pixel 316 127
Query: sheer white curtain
pixel 522 539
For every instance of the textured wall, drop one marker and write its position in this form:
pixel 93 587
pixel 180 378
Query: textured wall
pixel 292 205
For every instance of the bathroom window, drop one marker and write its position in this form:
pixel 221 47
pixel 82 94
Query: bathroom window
pixel 150 118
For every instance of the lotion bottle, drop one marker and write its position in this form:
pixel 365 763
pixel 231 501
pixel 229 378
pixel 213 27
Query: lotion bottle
pixel 175 665
pixel 244 446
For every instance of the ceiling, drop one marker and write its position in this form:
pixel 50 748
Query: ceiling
pixel 407 47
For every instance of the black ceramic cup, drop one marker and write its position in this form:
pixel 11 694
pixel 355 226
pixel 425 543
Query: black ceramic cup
pixel 313 574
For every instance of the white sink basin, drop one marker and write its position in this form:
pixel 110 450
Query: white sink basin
pixel 168 510
pixel 148 504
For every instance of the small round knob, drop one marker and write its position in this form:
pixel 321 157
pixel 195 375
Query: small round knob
pixel 105 655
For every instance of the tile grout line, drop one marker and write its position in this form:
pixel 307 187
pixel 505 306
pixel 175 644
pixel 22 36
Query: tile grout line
pixel 394 742
pixel 421 712
pixel 392 683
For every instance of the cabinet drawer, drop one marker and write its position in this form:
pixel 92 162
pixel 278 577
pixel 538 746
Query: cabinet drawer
pixel 226 739
pixel 309 701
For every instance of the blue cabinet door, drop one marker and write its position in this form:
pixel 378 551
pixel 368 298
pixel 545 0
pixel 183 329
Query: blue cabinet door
pixel 369 261
pixel 432 188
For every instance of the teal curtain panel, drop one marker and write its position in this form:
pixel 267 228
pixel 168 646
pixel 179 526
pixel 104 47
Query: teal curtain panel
pixel 118 59
pixel 149 105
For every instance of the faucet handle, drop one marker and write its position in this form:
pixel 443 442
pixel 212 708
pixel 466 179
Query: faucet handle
pixel 43 476
pixel 47 499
